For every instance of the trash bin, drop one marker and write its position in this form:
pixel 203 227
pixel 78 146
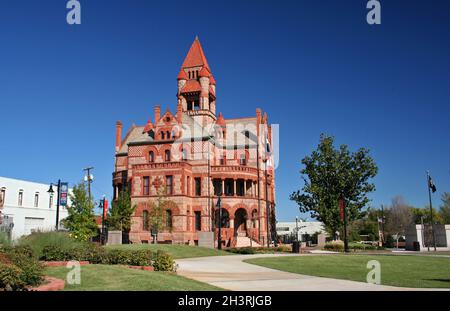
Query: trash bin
pixel 296 247
pixel 416 246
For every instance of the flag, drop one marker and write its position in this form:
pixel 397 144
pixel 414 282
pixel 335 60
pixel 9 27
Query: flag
pixel 431 184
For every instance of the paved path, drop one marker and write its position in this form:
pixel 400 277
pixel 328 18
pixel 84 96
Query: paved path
pixel 230 272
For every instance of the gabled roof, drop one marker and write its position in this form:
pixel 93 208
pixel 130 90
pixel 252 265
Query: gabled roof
pixel 195 57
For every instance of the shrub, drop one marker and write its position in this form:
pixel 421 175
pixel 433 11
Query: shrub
pixel 39 240
pixel 4 240
pixel 283 248
pixel 10 278
pixel 163 262
pixel 336 246
pixel 242 250
pixel 118 257
pixel 140 258
pixel 26 266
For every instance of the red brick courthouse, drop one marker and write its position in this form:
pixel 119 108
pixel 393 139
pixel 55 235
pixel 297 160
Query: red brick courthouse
pixel 194 154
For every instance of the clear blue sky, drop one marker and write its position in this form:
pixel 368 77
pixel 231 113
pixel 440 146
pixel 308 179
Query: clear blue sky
pixel 314 66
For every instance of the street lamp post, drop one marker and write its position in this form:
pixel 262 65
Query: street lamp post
pixel 267 205
pixel 344 216
pixel 51 191
pixel 219 225
pixel 296 228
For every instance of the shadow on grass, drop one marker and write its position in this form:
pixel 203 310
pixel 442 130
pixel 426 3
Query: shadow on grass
pixel 439 280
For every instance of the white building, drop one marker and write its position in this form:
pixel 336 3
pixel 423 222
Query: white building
pixel 29 206
pixel 304 228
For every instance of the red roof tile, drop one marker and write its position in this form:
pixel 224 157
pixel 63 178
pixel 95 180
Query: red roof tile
pixel 191 86
pixel 148 126
pixel 204 72
pixel 211 80
pixel 182 75
pixel 196 56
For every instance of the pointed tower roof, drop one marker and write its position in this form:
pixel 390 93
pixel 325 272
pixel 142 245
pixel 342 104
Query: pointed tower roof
pixel 195 57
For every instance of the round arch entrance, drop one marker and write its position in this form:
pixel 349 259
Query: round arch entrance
pixel 240 221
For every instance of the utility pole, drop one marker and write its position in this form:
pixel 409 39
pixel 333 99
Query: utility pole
pixel 89 178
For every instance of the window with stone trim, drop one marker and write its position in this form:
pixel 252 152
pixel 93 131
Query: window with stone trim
pixel 169 219
pixel 146 185
pixel 240 187
pixel 151 156
pixel 169 184
pixel 145 221
pixel 198 220
pixel 198 186
pixel 167 155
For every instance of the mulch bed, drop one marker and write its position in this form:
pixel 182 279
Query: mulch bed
pixel 146 268
pixel 61 263
pixel 51 284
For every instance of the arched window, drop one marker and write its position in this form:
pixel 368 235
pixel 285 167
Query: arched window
pixel 167 155
pixel 225 218
pixel 169 219
pixel 168 134
pixel 145 224
pixel 163 135
pixel 151 156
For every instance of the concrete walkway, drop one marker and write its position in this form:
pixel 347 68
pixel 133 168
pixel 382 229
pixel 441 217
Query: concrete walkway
pixel 230 272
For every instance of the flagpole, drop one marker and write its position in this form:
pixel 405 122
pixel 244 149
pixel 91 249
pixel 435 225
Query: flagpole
pixel 431 210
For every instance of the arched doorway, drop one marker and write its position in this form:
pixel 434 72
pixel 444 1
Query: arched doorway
pixel 240 222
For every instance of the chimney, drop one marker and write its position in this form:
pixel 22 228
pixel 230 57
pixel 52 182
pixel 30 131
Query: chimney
pixel 118 135
pixel 157 114
pixel 258 115
pixel 179 113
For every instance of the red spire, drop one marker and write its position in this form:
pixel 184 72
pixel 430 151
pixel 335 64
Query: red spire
pixel 182 75
pixel 220 120
pixel 196 56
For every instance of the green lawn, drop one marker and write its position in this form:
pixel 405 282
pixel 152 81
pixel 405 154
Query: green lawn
pixel 117 278
pixel 177 251
pixel 403 271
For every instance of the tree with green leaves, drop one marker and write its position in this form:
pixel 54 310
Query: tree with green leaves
pixel 119 216
pixel 332 174
pixel 81 220
pixel 157 219
pixel 444 211
pixel 420 214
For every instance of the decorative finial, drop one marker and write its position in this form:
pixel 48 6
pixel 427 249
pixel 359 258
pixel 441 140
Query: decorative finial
pixel 196 37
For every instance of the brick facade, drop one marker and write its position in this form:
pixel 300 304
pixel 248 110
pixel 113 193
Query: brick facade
pixel 195 155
